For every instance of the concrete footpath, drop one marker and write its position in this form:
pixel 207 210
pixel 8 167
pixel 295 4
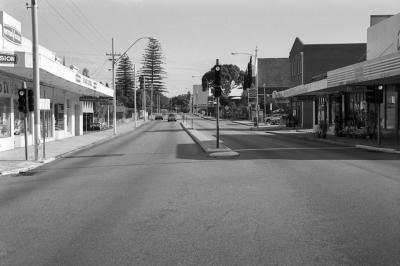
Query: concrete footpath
pixel 208 143
pixel 13 161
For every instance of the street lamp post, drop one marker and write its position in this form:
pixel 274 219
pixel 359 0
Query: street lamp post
pixel 114 62
pixel 256 73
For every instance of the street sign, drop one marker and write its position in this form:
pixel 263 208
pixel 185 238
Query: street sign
pixel 44 104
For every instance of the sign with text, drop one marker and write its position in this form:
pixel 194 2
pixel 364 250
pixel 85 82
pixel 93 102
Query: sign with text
pixel 8 58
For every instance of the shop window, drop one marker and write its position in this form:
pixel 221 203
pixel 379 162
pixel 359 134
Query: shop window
pixel 59 116
pixel 5 117
pixel 46 119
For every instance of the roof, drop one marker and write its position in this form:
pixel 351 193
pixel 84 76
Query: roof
pixel 273 72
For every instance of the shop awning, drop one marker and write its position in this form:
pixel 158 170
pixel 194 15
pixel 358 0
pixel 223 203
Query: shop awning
pixel 54 74
pixel 385 69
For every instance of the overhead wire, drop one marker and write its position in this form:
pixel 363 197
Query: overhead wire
pixel 88 21
pixel 42 19
pixel 66 21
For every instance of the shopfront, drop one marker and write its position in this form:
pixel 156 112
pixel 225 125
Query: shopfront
pixel 61 111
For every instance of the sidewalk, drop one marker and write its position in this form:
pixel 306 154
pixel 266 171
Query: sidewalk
pixel 307 134
pixel 13 161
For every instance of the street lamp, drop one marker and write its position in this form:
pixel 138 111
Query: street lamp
pixel 256 73
pixel 114 62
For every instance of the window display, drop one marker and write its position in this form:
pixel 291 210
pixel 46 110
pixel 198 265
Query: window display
pixel 5 117
pixel 19 121
pixel 59 116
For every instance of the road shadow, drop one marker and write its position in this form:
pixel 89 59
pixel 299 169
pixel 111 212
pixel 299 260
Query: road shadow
pixel 191 152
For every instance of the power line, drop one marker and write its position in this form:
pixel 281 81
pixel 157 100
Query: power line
pixel 99 68
pixel 66 21
pixel 88 21
pixel 54 30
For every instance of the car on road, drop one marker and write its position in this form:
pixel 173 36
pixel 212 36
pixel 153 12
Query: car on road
pixel 97 126
pixel 158 117
pixel 171 117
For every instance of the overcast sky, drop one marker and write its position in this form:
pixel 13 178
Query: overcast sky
pixel 193 33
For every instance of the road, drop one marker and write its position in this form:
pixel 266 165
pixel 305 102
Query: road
pixel 152 197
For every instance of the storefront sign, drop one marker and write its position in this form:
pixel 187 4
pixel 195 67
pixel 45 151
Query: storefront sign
pixel 78 78
pixel 8 59
pixel 12 34
pixel 87 82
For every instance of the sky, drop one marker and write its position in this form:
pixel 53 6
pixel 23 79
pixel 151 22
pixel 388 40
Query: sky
pixel 192 33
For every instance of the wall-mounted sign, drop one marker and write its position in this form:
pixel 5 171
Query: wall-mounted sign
pixel 87 82
pixel 44 104
pixel 12 34
pixel 8 58
pixel 78 78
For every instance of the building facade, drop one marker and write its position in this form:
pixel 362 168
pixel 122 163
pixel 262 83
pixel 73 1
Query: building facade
pixel 61 88
pixel 310 62
pixel 361 99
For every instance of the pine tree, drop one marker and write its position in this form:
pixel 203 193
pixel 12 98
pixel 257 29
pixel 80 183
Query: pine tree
pixel 152 69
pixel 124 82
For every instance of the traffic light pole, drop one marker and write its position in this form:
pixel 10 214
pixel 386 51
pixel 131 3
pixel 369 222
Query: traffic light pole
pixel 217 121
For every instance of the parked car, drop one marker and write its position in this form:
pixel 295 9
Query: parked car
pixel 97 126
pixel 171 117
pixel 158 117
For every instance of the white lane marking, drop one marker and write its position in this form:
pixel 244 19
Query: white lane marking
pixel 296 148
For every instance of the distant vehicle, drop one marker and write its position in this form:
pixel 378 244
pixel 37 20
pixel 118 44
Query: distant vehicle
pixel 97 126
pixel 158 117
pixel 171 117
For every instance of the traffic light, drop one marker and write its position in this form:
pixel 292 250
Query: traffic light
pixel 204 83
pixel 22 100
pixel 31 101
pixel 217 81
pixel 379 95
pixel 217 92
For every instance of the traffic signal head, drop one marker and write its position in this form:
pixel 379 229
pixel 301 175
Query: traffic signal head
pixel 217 91
pixel 22 100
pixel 204 83
pixel 31 101
pixel 217 80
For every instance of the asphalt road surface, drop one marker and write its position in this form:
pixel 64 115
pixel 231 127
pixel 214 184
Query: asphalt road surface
pixel 152 197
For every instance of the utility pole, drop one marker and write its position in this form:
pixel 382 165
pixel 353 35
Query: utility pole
pixel 134 92
pixel 144 98
pixel 256 72
pixel 36 80
pixel 113 54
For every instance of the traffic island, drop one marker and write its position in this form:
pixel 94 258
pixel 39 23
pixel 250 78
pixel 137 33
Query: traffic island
pixel 208 143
